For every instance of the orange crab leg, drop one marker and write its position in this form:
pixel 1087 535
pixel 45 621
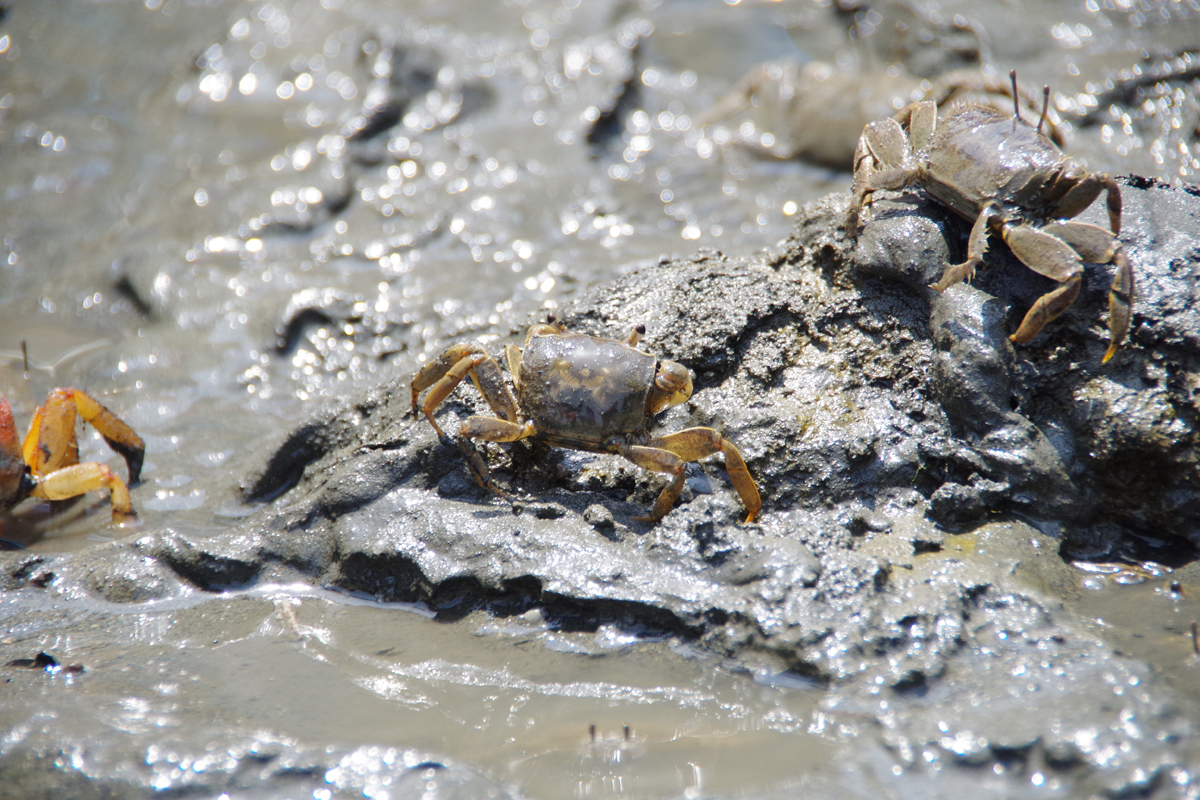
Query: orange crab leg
pixel 694 444
pixel 658 460
pixel 29 446
pixel 68 482
pixel 669 454
pixel 119 436
pixel 491 429
pixel 51 443
pixel 444 373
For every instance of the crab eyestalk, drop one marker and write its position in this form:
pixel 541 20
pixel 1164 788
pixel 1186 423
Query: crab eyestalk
pixel 672 386
pixel 550 327
pixel 636 335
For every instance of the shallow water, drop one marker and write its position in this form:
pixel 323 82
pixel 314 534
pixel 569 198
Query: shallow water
pixel 187 236
pixel 545 710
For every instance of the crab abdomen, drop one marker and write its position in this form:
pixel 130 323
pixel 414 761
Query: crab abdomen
pixel 581 390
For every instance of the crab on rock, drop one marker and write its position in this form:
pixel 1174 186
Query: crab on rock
pixel 584 393
pixel 1006 177
pixel 46 464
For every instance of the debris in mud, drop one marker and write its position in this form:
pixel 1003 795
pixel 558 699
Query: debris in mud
pixel 47 662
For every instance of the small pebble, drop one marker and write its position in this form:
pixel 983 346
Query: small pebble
pixel 599 517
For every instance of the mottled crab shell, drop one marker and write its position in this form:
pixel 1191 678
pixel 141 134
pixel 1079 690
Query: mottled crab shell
pixel 581 390
pixel 978 154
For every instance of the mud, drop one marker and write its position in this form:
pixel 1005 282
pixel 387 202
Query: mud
pixel 245 227
pixel 923 483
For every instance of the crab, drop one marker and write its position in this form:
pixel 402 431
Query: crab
pixel 582 393
pixel 46 464
pixel 1003 175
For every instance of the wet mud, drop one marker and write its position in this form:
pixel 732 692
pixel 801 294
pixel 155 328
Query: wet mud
pixel 974 572
pixel 924 481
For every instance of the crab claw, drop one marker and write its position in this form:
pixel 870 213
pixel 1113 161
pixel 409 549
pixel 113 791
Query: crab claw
pixel 672 386
pixel 12 463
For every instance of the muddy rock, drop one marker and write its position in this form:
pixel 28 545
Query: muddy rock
pixel 883 423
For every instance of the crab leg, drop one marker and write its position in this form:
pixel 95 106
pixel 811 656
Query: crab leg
pixel 68 482
pixel 477 466
pixel 1081 195
pixel 445 372
pixel 51 443
pixel 882 143
pixel 491 429
pixel 658 460
pixel 669 454
pixel 884 157
pixel 921 119
pixel 1097 246
pixel 1046 308
pixel 30 447
pixel 694 444
pixel 976 249
pixel 119 436
pixel 1050 256
pixel 1120 304
pixel 512 357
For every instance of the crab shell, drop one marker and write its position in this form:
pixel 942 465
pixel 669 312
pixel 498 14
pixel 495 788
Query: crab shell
pixel 977 155
pixel 580 391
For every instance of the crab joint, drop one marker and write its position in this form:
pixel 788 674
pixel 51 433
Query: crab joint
pixel 73 481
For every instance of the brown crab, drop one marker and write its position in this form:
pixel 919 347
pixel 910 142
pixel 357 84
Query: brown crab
pixel 584 393
pixel 1007 178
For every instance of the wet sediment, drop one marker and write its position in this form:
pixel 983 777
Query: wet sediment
pixel 925 484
